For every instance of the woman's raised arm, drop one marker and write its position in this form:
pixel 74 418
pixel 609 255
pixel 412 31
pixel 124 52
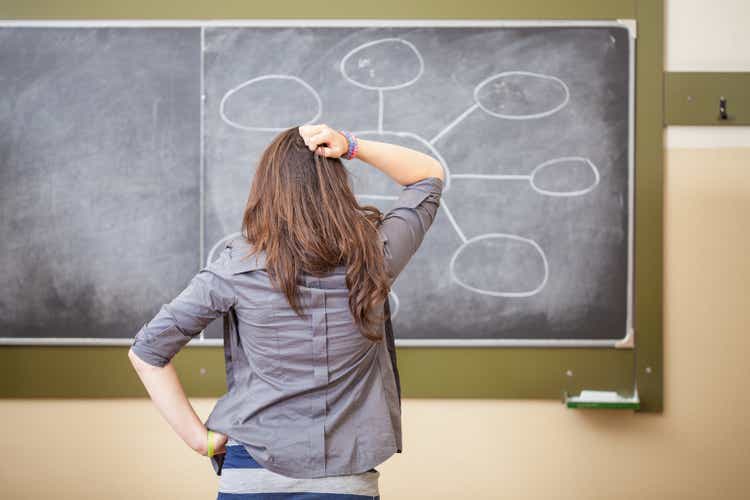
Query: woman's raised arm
pixel 403 165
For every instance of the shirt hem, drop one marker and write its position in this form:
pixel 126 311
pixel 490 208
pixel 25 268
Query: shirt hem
pixel 380 456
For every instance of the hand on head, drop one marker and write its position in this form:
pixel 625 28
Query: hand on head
pixel 323 140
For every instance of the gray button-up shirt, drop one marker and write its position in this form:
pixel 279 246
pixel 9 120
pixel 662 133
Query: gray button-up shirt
pixel 311 396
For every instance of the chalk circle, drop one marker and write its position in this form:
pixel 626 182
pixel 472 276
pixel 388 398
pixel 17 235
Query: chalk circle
pixel 384 64
pixel 498 293
pixel 510 89
pixel 395 303
pixel 288 112
pixel 421 141
pixel 557 161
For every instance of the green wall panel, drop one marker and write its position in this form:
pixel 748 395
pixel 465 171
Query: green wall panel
pixel 649 195
pixel 492 372
pixel 692 98
pixel 294 9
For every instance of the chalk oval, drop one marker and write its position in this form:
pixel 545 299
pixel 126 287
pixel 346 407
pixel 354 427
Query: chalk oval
pixel 521 95
pixel 384 64
pixel 503 259
pixel 577 169
pixel 285 98
pixel 395 304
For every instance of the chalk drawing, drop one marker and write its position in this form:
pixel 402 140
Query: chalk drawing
pixel 478 104
pixel 396 304
pixel 537 169
pixel 304 85
pixel 527 74
pixel 499 293
pixel 365 65
pixel 387 41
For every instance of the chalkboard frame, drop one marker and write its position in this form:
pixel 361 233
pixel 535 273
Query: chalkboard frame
pixel 104 371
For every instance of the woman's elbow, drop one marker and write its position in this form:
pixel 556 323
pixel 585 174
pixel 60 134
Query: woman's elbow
pixel 134 359
pixel 139 363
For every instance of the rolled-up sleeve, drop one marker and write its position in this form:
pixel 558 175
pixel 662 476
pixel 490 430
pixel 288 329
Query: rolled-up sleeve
pixel 405 224
pixel 209 294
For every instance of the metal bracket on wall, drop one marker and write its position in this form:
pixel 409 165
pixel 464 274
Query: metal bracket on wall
pixel 707 98
pixel 628 341
pixel 632 26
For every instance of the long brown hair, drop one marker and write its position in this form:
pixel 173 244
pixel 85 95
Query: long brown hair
pixel 302 212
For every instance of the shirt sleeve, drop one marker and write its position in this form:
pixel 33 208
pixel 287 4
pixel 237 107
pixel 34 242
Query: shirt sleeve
pixel 209 294
pixel 405 224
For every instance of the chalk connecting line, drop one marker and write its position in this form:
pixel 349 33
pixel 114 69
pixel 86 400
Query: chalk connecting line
pixel 365 76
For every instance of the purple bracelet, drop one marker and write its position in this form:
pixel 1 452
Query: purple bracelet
pixel 353 148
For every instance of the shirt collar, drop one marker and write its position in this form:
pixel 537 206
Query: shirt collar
pixel 241 263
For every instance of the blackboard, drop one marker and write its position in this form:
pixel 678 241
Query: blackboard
pixel 533 122
pixel 99 177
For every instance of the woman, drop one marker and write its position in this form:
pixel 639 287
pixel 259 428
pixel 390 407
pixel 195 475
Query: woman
pixel 313 405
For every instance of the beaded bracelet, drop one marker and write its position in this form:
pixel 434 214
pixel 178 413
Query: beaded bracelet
pixel 353 148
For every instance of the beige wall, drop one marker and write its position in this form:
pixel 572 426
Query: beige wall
pixel 699 447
